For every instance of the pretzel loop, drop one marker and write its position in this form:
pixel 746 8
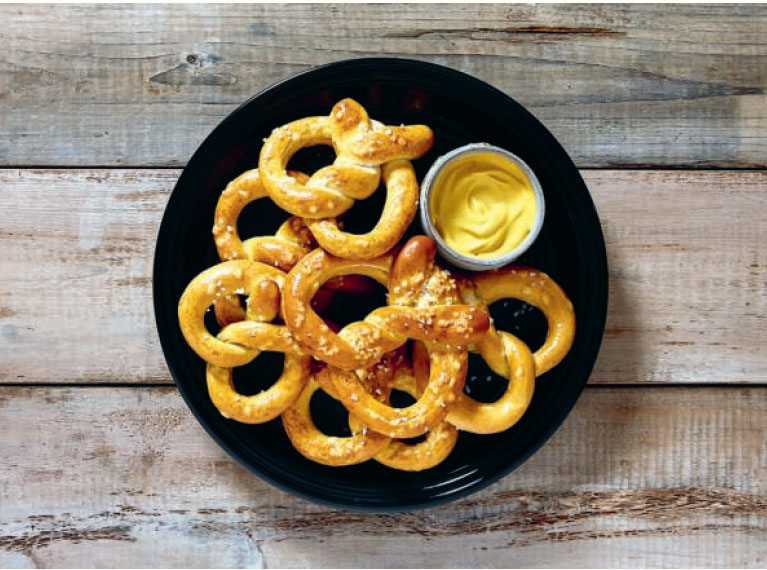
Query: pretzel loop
pixel 222 280
pixel 534 288
pixel 363 444
pixel 398 212
pixel 361 344
pixel 275 400
pixel 439 440
pixel 291 242
pixel 476 417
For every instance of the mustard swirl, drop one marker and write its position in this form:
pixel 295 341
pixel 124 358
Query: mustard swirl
pixel 483 205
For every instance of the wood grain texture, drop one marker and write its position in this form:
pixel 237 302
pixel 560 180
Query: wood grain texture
pixel 619 85
pixel 688 276
pixel 635 477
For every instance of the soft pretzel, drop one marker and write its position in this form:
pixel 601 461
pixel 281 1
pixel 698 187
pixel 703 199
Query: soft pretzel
pixel 222 280
pixel 398 212
pixel 418 285
pixel 241 342
pixel 534 288
pixel 363 444
pixel 361 146
pixel 469 415
pixel 361 344
pixel 438 443
pixel 272 402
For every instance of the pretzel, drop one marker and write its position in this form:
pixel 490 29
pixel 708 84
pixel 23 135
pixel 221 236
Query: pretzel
pixel 421 288
pixel 361 146
pixel 440 440
pixel 476 417
pixel 292 241
pixel 363 444
pixel 361 344
pixel 260 335
pixel 534 288
pixel 226 279
pixel 283 250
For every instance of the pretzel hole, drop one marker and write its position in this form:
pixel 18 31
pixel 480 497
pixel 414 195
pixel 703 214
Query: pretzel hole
pixel 258 375
pixel 364 214
pixel 345 308
pixel 310 159
pixel 260 218
pixel 524 321
pixel 400 399
pixel 211 324
pixel 482 384
pixel 329 415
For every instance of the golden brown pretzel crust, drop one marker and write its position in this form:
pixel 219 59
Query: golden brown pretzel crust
pixel 469 415
pixel 243 341
pixel 448 372
pixel 283 250
pixel 222 280
pixel 292 241
pixel 361 146
pixel 271 403
pixel 421 288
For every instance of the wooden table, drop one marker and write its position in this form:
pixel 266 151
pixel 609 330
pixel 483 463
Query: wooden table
pixel 663 462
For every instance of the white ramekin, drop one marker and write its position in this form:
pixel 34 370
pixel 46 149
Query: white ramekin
pixel 455 257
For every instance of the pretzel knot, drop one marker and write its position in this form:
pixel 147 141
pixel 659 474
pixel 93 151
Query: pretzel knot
pixel 239 343
pixel 424 305
pixel 437 317
pixel 361 146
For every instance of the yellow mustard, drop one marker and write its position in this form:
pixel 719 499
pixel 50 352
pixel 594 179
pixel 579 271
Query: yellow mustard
pixel 482 205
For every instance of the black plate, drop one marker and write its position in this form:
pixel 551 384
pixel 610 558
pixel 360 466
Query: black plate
pixel 460 109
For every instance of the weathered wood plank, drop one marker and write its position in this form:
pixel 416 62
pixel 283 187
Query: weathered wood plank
pixel 688 291
pixel 142 85
pixel 688 276
pixel 75 296
pixel 635 477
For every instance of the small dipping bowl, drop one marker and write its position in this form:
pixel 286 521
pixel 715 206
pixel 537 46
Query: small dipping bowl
pixel 467 261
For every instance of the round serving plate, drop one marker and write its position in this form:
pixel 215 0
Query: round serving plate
pixel 460 109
